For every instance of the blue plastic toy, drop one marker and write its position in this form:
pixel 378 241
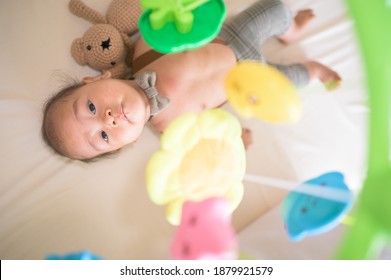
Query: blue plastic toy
pixel 82 255
pixel 306 215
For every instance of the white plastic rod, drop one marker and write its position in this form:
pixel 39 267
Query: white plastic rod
pixel 310 189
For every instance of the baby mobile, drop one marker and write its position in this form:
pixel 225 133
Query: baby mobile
pixel 199 169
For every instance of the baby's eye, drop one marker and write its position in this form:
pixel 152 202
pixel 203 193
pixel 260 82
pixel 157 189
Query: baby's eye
pixel 91 107
pixel 104 135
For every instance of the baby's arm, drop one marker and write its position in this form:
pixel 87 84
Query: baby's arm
pixel 247 137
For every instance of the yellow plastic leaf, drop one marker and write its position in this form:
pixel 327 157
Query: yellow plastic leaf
pixel 181 133
pixel 162 184
pixel 221 124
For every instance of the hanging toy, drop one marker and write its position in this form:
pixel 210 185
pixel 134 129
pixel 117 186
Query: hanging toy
pixel 171 26
pixel 201 156
pixel 82 255
pixel 261 91
pixel 205 232
pixel 306 215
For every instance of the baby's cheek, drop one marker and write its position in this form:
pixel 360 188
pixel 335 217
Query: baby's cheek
pixel 129 135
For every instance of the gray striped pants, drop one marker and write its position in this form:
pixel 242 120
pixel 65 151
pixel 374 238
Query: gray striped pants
pixel 247 31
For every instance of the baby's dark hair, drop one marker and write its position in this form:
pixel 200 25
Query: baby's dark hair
pixel 48 132
pixel 47 129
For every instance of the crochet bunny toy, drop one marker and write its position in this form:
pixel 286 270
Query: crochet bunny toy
pixel 106 45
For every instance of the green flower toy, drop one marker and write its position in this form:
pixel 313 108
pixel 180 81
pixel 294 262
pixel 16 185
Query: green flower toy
pixel 171 26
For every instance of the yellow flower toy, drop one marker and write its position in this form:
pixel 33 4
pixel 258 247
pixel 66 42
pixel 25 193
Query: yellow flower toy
pixel 201 156
pixel 261 91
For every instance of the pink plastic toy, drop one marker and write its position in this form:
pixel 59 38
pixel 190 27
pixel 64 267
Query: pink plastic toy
pixel 205 232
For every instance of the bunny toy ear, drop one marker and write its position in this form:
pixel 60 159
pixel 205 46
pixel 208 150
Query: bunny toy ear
pixel 77 51
pixel 80 9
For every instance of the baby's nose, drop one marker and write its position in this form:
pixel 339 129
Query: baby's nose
pixel 110 119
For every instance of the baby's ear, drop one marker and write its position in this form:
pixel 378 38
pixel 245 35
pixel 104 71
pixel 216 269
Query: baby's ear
pixel 78 52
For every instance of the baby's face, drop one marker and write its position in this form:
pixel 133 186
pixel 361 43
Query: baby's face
pixel 100 117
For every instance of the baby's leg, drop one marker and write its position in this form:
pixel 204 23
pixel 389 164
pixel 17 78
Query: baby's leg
pixel 298 74
pixel 301 74
pixel 246 32
pixel 300 22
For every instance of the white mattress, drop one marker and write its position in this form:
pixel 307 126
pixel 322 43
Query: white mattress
pixel 49 204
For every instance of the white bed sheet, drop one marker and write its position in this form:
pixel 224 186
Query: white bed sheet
pixel 49 204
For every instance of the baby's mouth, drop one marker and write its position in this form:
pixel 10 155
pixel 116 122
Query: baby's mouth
pixel 123 115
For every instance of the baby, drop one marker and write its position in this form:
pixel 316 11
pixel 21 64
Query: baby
pixel 100 115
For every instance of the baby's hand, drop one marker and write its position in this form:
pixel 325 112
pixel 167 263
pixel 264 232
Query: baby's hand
pixel 247 137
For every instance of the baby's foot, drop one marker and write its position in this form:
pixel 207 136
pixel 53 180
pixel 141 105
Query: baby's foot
pixel 300 22
pixel 328 77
